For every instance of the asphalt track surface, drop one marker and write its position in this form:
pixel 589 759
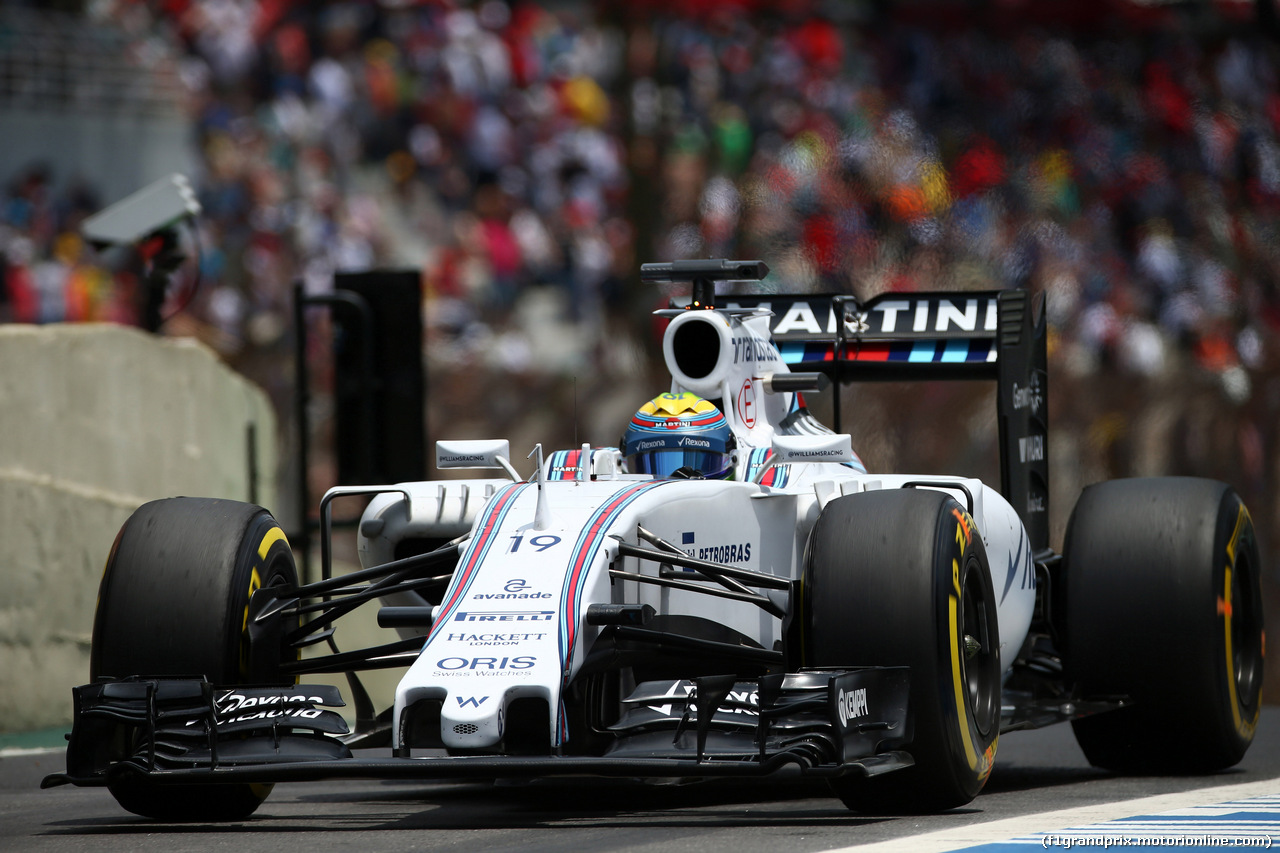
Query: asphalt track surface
pixel 1036 772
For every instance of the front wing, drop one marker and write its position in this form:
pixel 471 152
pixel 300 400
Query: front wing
pixel 824 723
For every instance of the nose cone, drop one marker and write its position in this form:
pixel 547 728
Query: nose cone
pixel 472 721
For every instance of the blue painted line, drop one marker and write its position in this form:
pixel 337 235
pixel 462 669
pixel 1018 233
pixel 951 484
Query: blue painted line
pixel 1234 825
pixel 792 353
pixel 923 351
pixel 956 351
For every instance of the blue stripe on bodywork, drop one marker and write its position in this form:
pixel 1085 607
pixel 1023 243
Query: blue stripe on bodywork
pixel 490 522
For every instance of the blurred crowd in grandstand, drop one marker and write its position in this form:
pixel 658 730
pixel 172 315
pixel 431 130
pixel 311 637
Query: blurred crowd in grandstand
pixel 1126 162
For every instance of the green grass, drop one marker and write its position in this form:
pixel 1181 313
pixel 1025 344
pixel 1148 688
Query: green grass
pixel 43 739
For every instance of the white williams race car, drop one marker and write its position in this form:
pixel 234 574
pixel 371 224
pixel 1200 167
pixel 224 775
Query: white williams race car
pixel 728 593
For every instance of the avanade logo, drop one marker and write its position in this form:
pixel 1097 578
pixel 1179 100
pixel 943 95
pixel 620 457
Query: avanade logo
pixel 516 588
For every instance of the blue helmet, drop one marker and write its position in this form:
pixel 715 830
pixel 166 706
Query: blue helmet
pixel 675 431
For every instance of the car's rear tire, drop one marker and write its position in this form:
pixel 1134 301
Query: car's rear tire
pixel 1161 603
pixel 174 600
pixel 900 577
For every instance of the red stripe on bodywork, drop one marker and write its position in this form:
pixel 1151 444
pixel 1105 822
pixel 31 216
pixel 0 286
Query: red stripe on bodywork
pixel 488 526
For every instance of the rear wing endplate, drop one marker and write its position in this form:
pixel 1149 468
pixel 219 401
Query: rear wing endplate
pixel 999 335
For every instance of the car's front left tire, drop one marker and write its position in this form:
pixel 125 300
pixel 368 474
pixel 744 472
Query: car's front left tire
pixel 1161 602
pixel 900 577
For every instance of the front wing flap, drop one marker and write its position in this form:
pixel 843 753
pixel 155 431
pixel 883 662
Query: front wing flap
pixel 161 724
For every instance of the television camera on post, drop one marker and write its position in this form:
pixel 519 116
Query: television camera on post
pixel 148 219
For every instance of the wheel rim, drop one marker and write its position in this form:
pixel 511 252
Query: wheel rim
pixel 1246 635
pixel 979 668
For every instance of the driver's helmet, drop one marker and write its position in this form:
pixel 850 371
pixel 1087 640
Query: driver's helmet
pixel 672 432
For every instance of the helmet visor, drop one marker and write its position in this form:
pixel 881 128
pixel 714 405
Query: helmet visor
pixel 664 463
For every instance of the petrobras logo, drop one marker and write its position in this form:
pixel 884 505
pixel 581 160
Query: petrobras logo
pixel 851 705
pixel 732 552
pixel 504 615
pixel 739 552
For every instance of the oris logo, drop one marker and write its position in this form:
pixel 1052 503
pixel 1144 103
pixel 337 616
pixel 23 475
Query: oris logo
pixel 486 664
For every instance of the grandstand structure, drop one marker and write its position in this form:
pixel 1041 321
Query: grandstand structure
pixel 85 97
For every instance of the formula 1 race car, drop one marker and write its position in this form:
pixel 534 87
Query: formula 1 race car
pixel 728 593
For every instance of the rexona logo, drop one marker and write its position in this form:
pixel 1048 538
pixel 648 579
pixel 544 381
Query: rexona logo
pixel 851 705
pixel 741 700
pixel 694 442
pixel 504 616
pixel 265 707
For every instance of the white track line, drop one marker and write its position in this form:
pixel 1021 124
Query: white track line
pixel 1034 824
pixel 15 751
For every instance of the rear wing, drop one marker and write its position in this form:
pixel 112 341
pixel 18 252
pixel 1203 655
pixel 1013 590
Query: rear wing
pixel 992 335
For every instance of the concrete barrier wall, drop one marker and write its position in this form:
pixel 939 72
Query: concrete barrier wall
pixel 94 421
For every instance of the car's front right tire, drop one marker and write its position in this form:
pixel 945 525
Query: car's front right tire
pixel 174 600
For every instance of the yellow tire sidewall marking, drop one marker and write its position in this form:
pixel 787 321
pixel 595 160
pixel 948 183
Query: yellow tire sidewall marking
pixel 272 536
pixel 1244 728
pixel 957 676
pixel 982 765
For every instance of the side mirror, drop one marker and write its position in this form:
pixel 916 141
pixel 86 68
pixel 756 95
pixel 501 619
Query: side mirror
pixel 482 453
pixel 793 449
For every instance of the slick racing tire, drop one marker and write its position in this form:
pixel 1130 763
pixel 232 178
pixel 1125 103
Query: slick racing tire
pixel 174 600
pixel 900 577
pixel 1161 602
